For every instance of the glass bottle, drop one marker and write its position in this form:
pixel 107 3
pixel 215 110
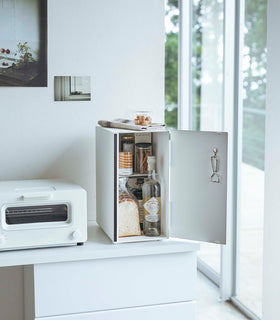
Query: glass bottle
pixel 151 201
pixel 137 193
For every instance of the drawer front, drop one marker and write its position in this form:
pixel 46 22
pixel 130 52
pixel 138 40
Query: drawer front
pixel 88 286
pixel 178 311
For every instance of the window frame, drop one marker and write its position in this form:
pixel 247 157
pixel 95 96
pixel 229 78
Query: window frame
pixel 66 91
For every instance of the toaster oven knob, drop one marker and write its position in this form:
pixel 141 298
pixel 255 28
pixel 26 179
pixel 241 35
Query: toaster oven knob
pixel 76 234
pixel 2 239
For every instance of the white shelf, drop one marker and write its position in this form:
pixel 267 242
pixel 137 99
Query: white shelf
pixel 134 175
pixel 98 246
pixel 125 131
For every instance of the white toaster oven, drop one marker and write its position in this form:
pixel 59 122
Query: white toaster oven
pixel 42 213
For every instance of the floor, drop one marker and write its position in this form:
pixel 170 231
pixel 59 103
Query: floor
pixel 251 240
pixel 208 305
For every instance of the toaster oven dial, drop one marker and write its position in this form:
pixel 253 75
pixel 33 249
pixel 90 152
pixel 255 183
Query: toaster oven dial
pixel 76 234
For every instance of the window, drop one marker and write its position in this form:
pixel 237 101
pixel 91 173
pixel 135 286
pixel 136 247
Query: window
pixel 221 77
pixel 171 63
pixel 206 83
pixel 252 147
pixel 207 90
pixel 79 85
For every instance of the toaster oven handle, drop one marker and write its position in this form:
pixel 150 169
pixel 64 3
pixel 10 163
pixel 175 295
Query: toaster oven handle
pixel 36 196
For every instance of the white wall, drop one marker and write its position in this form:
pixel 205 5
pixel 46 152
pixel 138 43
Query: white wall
pixel 120 44
pixel 271 278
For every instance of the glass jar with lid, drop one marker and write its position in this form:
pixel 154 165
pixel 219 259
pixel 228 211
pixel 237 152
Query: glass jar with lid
pixel 128 145
pixel 143 151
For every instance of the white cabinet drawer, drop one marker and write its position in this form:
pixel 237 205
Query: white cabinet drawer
pixel 178 311
pixel 95 285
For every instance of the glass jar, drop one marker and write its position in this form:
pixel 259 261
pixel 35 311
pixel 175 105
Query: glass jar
pixel 143 118
pixel 125 163
pixel 128 145
pixel 143 151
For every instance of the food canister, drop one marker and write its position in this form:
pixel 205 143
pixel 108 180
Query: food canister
pixel 143 151
pixel 125 163
pixel 143 118
pixel 128 145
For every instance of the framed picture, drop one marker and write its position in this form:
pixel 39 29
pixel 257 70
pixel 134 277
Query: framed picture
pixel 72 88
pixel 23 43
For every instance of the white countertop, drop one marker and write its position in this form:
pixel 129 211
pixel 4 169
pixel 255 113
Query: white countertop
pixel 98 246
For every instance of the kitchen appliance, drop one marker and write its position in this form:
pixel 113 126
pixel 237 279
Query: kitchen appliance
pixel 42 213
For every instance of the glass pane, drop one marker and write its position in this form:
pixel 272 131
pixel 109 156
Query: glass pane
pixel 80 85
pixel 207 65
pixel 171 63
pixel 252 169
pixel 207 84
pixel 36 214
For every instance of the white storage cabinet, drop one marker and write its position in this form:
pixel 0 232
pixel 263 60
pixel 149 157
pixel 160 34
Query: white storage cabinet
pixel 193 206
pixel 101 281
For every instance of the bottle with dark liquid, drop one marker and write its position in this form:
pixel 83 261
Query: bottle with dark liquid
pixel 137 193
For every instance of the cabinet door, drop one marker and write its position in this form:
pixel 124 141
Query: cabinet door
pixel 198 202
pixel 106 181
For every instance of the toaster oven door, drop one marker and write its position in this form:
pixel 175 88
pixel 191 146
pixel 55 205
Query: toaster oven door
pixel 34 214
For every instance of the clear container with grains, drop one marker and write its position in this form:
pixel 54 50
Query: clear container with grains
pixel 143 151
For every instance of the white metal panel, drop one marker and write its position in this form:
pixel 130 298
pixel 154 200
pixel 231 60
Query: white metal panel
pixel 161 151
pixel 233 113
pixel 88 286
pixel 198 205
pixel 178 311
pixel 106 162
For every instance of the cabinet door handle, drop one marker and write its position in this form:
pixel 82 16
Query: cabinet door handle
pixel 215 163
pixel 36 196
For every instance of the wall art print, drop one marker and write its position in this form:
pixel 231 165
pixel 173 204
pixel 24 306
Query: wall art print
pixel 72 88
pixel 23 43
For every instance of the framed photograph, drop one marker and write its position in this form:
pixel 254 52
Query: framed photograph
pixel 23 43
pixel 72 88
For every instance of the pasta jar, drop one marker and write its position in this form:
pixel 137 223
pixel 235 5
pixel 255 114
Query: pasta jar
pixel 127 145
pixel 143 151
pixel 125 163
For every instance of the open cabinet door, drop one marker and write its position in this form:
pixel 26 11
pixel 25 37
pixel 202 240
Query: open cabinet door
pixel 198 202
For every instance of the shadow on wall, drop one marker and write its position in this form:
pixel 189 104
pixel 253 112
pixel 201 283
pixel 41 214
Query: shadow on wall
pixel 75 163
